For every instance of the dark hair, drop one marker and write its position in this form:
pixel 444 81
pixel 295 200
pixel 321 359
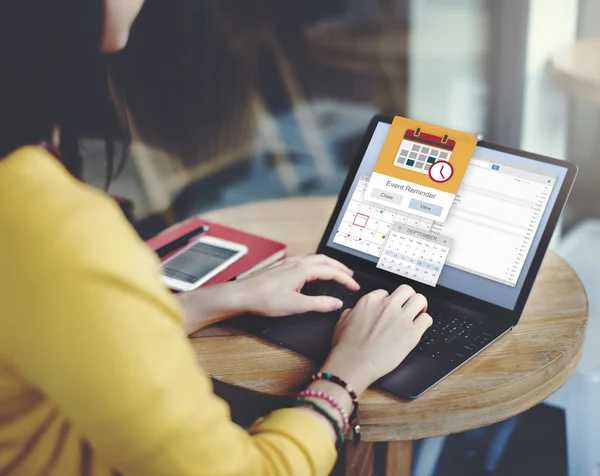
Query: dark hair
pixel 184 81
pixel 188 72
pixel 52 74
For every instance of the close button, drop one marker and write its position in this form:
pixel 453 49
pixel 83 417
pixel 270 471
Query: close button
pixel 380 194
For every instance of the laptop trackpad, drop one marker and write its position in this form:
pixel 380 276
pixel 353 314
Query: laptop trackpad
pixel 413 376
pixel 309 334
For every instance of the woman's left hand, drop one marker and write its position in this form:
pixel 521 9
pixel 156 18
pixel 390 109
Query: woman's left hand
pixel 275 291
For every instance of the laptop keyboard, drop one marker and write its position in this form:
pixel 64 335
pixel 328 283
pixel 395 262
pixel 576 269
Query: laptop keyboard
pixel 334 289
pixel 453 337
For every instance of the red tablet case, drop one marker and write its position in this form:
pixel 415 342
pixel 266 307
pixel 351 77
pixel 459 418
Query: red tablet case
pixel 261 251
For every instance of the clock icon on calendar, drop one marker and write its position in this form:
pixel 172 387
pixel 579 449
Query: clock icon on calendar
pixel 441 171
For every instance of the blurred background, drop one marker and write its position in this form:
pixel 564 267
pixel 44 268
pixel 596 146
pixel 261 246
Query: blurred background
pixel 235 101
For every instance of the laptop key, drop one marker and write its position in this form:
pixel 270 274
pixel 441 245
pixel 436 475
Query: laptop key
pixel 452 335
pixel 437 353
pixel 446 338
pixel 455 358
pixel 425 345
pixel 464 346
pixel 482 339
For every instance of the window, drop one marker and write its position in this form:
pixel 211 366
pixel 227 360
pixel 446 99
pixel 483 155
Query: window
pixel 494 218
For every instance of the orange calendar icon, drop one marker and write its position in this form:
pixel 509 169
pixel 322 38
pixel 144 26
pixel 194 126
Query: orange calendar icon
pixel 421 167
pixel 419 151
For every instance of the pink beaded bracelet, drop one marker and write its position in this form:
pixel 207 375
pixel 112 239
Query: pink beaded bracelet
pixel 333 402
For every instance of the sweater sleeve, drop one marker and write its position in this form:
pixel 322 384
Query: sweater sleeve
pixel 103 340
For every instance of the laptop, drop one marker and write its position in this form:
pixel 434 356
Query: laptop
pixel 500 225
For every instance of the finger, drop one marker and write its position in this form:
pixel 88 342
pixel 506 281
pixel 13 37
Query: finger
pixel 345 314
pixel 377 294
pixel 382 293
pixel 326 260
pixel 341 323
pixel 277 263
pixel 329 273
pixel 423 322
pixel 303 303
pixel 295 259
pixel 401 295
pixel 415 306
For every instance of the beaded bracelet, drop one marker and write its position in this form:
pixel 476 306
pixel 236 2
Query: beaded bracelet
pixel 328 416
pixel 338 381
pixel 354 416
pixel 333 402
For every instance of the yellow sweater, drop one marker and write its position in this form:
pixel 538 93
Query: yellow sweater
pixel 96 373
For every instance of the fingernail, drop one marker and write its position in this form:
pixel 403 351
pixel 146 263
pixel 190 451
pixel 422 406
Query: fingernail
pixel 336 304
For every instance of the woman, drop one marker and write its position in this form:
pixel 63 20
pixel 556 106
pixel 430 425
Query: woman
pixel 96 374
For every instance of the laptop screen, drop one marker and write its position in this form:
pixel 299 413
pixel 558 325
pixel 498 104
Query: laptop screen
pixel 494 225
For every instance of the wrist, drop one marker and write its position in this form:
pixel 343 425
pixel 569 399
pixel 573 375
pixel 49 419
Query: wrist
pixel 256 296
pixel 245 298
pixel 341 396
pixel 236 298
pixel 334 401
pixel 206 306
pixel 353 371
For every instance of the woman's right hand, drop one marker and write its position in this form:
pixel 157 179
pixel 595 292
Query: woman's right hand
pixel 372 339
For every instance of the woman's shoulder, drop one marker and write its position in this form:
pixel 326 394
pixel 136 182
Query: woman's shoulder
pixel 46 211
pixel 33 182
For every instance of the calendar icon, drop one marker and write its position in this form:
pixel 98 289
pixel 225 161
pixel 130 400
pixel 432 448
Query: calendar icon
pixel 416 254
pixel 419 151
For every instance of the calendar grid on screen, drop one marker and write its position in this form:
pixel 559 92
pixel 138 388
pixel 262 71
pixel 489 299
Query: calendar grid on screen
pixel 365 225
pixel 414 254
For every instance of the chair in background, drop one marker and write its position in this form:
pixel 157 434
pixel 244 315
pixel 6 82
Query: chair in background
pixel 370 42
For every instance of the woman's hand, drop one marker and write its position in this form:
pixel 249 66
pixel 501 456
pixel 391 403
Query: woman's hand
pixel 372 339
pixel 275 291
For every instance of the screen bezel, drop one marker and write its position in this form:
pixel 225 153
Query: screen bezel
pixel 441 292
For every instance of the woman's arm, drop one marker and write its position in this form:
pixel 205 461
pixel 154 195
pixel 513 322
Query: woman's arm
pixel 102 340
pixel 207 306
pixel 272 292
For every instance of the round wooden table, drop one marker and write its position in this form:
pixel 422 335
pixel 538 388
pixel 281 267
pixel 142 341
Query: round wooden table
pixel 519 371
pixel 577 69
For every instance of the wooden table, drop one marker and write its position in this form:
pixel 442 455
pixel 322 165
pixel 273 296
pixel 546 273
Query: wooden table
pixel 521 370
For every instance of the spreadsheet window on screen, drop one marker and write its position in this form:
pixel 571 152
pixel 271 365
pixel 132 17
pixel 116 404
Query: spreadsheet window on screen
pixel 494 221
